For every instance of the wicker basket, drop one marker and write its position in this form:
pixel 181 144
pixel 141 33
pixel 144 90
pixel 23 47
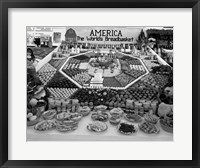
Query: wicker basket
pixel 49 117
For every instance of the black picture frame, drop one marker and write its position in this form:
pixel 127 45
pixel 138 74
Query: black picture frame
pixel 6 4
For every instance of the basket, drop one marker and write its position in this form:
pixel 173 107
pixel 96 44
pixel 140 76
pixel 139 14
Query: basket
pixel 166 128
pixel 49 117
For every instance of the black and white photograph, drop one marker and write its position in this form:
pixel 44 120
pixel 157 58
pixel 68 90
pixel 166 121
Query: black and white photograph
pixel 99 83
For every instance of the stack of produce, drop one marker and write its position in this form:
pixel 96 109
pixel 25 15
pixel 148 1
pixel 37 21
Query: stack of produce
pixel 93 96
pixel 124 79
pixel 60 81
pixel 119 100
pixel 139 84
pixel 143 94
pixel 72 63
pixel 135 73
pixel 134 61
pixel 121 96
pixel 61 92
pixel 57 63
pixel 150 80
pixel 82 78
pixel 46 73
pixel 161 79
pixel 156 80
pixel 111 82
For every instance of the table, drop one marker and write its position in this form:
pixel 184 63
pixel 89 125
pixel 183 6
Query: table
pixel 82 134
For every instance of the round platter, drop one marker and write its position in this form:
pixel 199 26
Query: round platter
pixel 144 125
pixel 133 118
pixel 97 126
pixel 128 126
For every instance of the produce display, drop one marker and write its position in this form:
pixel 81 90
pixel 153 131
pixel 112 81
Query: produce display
pixel 150 80
pixel 162 80
pixel 61 92
pixel 41 52
pixel 133 61
pixel 145 93
pixel 111 82
pixel 124 79
pixel 46 73
pixel 134 73
pixel 57 63
pixel 72 63
pixel 120 96
pixel 93 96
pixel 134 100
pixel 82 77
pixel 60 81
pixel 116 70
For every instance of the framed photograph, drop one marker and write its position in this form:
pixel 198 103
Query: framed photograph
pixel 99 84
